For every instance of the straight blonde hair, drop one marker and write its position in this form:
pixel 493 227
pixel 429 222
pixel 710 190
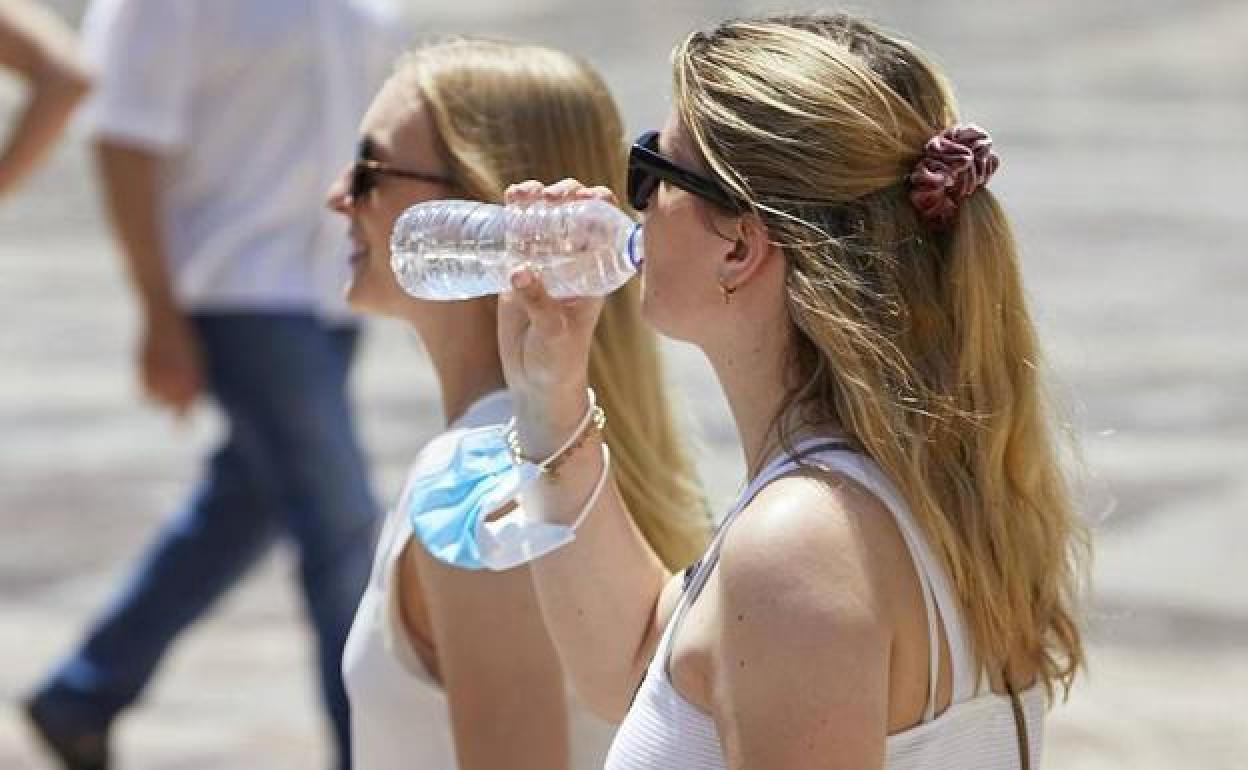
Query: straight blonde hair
pixel 508 112
pixel 917 341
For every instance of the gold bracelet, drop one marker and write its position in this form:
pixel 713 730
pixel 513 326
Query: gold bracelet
pixel 597 424
pixel 594 421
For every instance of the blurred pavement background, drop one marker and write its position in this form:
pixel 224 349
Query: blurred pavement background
pixel 1122 127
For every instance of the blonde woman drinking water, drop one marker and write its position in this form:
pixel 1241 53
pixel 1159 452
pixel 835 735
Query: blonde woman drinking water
pixel 895 587
pixel 450 667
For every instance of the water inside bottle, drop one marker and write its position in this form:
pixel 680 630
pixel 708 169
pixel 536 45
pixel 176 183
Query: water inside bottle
pixel 454 250
pixel 450 274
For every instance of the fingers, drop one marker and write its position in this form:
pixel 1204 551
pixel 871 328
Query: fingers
pixel 564 189
pixel 181 405
pixel 170 372
pixel 598 192
pixel 530 295
pixel 187 392
pixel 531 191
pixel 175 390
pixel 523 193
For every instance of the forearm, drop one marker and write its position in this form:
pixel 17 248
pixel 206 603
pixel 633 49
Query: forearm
pixel 130 178
pixel 599 597
pixel 42 51
pixel 598 594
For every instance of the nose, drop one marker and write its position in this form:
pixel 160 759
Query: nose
pixel 338 197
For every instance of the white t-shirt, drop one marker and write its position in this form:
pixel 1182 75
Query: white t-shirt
pixel 255 105
pixel 400 719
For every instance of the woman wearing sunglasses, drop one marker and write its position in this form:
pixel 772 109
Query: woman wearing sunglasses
pixel 449 667
pixel 896 585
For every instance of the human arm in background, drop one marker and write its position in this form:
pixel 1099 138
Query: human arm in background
pixel 139 114
pixel 41 50
pixel 169 360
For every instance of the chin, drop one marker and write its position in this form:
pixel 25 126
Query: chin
pixel 360 299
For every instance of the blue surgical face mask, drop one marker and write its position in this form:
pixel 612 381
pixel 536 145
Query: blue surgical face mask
pixel 459 480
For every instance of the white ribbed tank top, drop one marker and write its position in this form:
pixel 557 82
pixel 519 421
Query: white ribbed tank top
pixel 977 732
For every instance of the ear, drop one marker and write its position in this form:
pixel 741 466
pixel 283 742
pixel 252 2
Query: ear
pixel 750 254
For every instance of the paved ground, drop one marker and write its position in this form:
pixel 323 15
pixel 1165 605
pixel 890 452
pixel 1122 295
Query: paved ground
pixel 1122 127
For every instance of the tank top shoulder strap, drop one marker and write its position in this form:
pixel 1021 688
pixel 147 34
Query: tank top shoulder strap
pixel 698 574
pixel 933 578
pixel 836 456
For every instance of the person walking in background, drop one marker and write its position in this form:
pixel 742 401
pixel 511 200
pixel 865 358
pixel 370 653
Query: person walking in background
pixel 449 667
pixel 218 124
pixel 36 46
pixel 898 585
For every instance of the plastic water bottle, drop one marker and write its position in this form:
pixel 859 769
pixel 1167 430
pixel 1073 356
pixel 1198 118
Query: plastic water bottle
pixel 453 249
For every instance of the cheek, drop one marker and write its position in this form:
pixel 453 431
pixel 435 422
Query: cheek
pixel 373 287
pixel 674 280
pixel 379 224
pixel 653 273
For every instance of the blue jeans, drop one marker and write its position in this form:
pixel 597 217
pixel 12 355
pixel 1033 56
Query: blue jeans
pixel 289 465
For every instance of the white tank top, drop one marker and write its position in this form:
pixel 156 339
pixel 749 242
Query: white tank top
pixel 977 732
pixel 400 718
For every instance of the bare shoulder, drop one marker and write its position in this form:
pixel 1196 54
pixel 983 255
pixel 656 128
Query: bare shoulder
pixel 801 658
pixel 805 534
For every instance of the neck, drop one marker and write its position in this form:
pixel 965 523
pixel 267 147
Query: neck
pixel 462 341
pixel 752 370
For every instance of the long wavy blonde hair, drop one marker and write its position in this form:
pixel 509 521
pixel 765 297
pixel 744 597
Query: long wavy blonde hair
pixel 506 112
pixel 918 342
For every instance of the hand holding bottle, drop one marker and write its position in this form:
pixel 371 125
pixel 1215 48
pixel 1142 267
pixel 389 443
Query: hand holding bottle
pixel 544 342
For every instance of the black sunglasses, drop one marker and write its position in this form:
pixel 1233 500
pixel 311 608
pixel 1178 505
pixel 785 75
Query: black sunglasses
pixel 366 170
pixel 646 168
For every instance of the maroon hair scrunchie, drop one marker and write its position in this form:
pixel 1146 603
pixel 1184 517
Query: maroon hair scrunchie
pixel 955 163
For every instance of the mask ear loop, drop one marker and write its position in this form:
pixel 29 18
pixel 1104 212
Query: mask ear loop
pixel 594 496
pixel 598 487
pixel 570 529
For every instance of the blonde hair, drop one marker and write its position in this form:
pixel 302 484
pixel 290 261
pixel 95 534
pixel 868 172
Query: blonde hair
pixel 918 342
pixel 507 112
